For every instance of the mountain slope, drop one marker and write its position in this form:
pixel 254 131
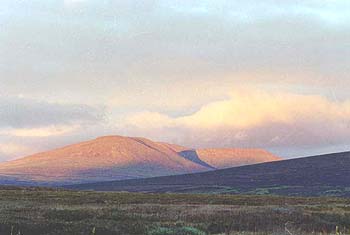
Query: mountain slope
pixel 117 158
pixel 311 176
pixel 226 158
pixel 105 158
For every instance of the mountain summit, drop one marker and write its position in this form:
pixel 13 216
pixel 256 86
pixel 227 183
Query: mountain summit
pixel 117 158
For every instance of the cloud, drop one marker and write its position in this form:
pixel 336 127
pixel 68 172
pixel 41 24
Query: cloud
pixel 72 3
pixel 23 119
pixel 40 132
pixel 103 47
pixel 24 113
pixel 253 118
pixel 10 150
pixel 171 97
pixel 175 80
pixel 253 108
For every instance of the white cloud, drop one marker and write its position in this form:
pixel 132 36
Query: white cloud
pixel 93 52
pixel 48 131
pixel 170 97
pixel 10 150
pixel 72 3
pixel 253 118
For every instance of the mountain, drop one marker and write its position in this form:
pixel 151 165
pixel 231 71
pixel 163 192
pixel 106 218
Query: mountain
pixel 226 158
pixel 105 158
pixel 110 158
pixel 324 175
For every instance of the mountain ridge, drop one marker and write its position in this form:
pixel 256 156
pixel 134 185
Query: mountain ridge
pixel 101 159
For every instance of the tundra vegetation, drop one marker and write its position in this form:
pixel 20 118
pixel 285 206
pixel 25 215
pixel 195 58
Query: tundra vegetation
pixel 39 211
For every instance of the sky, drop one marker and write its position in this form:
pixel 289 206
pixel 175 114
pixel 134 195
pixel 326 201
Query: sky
pixel 252 74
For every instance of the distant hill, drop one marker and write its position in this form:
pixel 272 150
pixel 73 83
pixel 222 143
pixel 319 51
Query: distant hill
pixel 113 158
pixel 226 158
pixel 325 175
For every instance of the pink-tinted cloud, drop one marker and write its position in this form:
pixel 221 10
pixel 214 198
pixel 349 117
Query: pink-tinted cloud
pixel 253 118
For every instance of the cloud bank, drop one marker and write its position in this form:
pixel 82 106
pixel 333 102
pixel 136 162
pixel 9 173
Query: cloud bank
pixel 253 118
pixel 72 70
pixel 22 120
pixel 17 112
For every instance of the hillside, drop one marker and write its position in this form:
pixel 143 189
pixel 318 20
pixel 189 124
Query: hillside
pixel 324 175
pixel 103 159
pixel 226 158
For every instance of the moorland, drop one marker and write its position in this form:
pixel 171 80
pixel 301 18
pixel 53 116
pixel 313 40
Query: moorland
pixel 46 211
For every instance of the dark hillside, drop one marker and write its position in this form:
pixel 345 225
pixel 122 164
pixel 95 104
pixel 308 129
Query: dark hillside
pixel 310 176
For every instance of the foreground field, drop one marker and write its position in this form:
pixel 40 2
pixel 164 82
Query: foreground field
pixel 45 211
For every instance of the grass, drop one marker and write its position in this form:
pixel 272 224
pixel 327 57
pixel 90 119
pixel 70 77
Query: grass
pixel 53 212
